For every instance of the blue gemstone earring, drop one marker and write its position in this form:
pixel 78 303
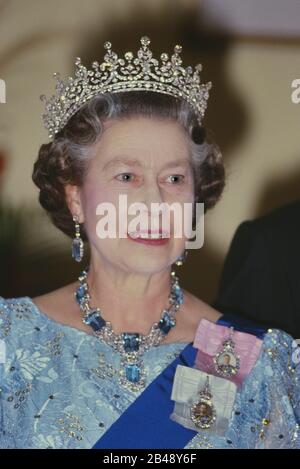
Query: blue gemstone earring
pixel 77 243
pixel 181 259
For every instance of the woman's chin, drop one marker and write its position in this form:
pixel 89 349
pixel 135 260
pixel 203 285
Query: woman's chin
pixel 144 263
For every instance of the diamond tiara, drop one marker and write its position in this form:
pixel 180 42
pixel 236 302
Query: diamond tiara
pixel 114 75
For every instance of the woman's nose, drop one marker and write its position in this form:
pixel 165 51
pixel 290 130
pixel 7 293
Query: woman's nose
pixel 151 194
pixel 155 216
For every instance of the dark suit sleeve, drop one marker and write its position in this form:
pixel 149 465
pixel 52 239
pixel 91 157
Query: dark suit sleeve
pixel 253 284
pixel 239 250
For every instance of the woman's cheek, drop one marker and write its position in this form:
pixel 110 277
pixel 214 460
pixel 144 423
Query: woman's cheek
pixel 97 217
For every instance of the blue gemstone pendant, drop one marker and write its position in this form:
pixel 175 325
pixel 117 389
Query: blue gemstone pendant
pixel 132 374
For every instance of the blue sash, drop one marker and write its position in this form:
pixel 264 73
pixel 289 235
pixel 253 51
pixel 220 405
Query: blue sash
pixel 146 422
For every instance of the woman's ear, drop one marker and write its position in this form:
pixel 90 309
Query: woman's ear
pixel 73 200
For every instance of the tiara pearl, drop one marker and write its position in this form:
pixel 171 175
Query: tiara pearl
pixel 114 75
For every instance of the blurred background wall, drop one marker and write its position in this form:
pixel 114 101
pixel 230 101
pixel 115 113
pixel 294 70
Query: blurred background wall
pixel 250 50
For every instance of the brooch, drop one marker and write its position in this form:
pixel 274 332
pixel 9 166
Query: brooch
pixel 203 412
pixel 226 361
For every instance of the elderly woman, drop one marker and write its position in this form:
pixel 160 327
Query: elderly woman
pixel 123 357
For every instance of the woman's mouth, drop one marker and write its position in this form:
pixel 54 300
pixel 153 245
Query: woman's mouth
pixel 153 238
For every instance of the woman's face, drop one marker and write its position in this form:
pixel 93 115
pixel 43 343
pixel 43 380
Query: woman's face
pixel 148 160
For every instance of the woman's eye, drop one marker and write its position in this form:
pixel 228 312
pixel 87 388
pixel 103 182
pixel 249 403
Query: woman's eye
pixel 120 177
pixel 128 177
pixel 177 178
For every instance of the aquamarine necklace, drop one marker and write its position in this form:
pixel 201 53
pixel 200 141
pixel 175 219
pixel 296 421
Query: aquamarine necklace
pixel 130 346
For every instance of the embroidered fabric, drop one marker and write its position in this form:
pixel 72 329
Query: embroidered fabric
pixel 58 387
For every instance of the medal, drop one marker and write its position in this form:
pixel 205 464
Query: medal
pixel 203 413
pixel 227 362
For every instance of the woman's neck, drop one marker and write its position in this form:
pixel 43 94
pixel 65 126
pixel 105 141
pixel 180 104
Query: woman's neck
pixel 130 301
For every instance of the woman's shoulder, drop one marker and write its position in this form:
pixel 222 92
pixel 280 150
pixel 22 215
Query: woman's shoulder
pixel 60 307
pixel 54 302
pixel 17 314
pixel 15 307
pixel 281 349
pixel 21 316
pixel 47 312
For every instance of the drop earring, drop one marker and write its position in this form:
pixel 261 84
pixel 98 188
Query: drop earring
pixel 77 243
pixel 181 259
